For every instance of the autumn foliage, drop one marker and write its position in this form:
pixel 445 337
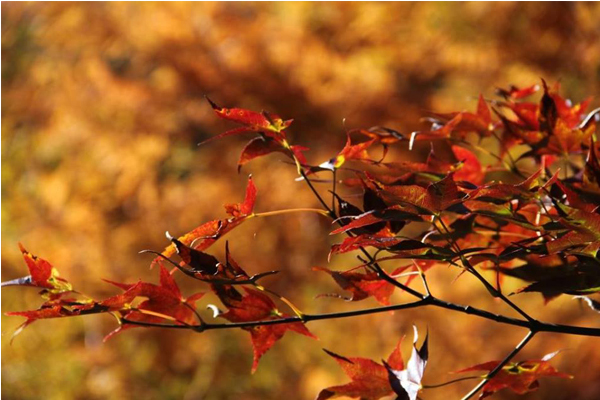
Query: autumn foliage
pixel 405 218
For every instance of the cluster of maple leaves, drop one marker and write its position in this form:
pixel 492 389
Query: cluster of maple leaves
pixel 543 228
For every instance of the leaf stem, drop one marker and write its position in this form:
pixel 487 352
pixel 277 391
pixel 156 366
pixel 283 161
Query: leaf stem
pixel 317 195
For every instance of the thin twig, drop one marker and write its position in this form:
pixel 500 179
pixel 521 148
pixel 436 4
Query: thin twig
pixel 423 278
pixel 317 195
pixel 333 187
pixel 502 363
pixel 384 275
pixel 217 281
pixel 495 292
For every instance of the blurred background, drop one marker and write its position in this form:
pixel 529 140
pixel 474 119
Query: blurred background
pixel 102 108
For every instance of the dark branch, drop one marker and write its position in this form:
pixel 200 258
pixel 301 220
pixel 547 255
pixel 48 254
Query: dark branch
pixel 429 301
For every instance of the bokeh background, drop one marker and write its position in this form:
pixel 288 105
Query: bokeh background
pixel 102 108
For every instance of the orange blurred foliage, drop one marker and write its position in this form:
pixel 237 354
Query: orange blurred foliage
pixel 102 108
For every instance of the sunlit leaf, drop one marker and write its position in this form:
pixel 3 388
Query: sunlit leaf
pixel 369 380
pixel 519 377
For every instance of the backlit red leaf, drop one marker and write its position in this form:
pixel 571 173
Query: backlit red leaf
pixel 359 221
pixel 350 152
pixel 517 93
pixel 470 168
pixel 257 306
pixel 206 234
pixel 269 124
pixel 369 379
pixel 361 285
pixel 163 299
pixel 520 377
pixel 378 240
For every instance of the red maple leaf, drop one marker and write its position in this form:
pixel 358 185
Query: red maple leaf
pixel 381 239
pixel 164 301
pixel 209 232
pixel 362 285
pixel 350 152
pixel 520 377
pixel 269 124
pixel 369 379
pixel 262 146
pixel 480 122
pixel 257 306
pixel 470 168
pixel 517 93
pixel 435 198
pixel 41 275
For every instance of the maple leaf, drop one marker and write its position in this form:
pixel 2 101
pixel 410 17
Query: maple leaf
pixel 198 261
pixel 566 140
pixel 270 127
pixel 583 229
pixel 269 124
pixel 547 112
pixel 382 134
pixel 591 172
pixel 60 307
pixel 163 300
pixel 50 309
pixel 520 377
pixel 499 193
pixel 69 307
pixel 44 276
pixel 41 275
pixel 257 306
pixel 438 131
pixel 379 240
pixel 574 200
pixel 359 221
pixel 576 281
pixel 516 93
pixel 407 382
pixel 437 197
pixel 362 285
pixel 349 152
pixel 208 233
pixel 369 378
pixel 480 122
pixel 550 127
pixel 470 168
pixel 262 146
pixel 571 114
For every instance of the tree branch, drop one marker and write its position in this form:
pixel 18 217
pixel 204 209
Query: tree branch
pixel 429 301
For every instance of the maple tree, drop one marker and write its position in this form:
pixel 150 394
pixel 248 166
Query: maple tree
pixel 543 227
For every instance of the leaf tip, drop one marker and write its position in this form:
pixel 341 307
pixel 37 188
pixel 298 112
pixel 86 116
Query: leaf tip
pixel 212 103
